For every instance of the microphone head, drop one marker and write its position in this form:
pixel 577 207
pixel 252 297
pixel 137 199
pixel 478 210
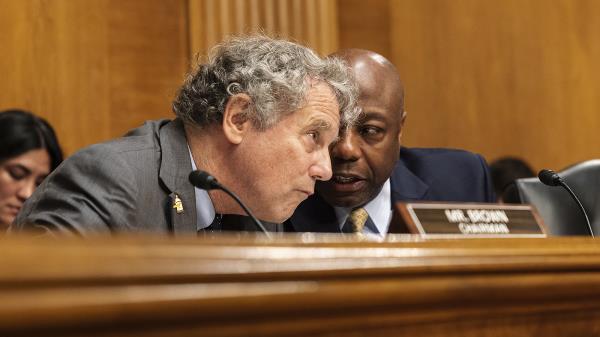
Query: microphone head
pixel 203 180
pixel 549 177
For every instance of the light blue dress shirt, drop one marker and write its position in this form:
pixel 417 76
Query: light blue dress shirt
pixel 380 212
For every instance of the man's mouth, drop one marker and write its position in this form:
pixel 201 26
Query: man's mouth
pixel 345 179
pixel 347 182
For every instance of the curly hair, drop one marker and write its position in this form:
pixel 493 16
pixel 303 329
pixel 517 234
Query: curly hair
pixel 275 74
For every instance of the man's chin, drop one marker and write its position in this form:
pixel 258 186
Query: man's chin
pixel 276 217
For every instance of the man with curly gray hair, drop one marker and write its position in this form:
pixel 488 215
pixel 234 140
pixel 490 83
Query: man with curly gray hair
pixel 259 115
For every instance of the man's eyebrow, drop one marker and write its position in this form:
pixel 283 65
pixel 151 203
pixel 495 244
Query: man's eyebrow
pixel 372 115
pixel 320 124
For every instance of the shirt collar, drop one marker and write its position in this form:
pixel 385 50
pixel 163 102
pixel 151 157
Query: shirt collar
pixel 379 209
pixel 205 209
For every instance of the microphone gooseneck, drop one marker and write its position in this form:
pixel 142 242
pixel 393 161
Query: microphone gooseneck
pixel 551 178
pixel 206 181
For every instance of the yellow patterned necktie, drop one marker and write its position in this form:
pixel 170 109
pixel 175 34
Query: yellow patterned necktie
pixel 358 218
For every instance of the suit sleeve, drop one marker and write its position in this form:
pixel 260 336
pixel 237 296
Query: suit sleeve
pixel 489 194
pixel 93 192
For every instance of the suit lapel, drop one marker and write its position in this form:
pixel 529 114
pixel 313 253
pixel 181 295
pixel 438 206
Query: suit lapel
pixel 175 167
pixel 405 185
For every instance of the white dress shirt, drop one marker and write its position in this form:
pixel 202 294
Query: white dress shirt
pixel 380 212
pixel 205 210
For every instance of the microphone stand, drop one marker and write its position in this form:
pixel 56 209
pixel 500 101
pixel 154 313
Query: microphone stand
pixel 587 220
pixel 206 181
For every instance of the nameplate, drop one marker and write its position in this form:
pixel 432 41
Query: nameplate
pixel 469 220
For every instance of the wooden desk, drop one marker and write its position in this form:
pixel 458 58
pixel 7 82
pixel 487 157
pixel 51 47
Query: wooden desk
pixel 302 285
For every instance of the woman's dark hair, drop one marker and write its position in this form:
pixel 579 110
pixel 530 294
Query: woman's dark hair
pixel 504 172
pixel 22 131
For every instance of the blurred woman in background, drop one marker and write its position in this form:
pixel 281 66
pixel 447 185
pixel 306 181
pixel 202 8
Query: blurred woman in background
pixel 29 151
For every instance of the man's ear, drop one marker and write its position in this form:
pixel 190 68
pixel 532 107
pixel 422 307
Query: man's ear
pixel 236 121
pixel 402 118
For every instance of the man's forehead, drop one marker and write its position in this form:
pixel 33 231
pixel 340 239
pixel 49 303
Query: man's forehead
pixel 380 91
pixel 322 97
pixel 377 75
pixel 371 69
pixel 321 88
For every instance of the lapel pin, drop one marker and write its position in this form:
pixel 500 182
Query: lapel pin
pixel 178 205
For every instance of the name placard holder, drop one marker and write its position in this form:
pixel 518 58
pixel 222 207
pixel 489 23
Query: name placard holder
pixel 461 220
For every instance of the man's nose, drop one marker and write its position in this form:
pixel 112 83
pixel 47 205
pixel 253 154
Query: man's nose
pixel 346 148
pixel 321 170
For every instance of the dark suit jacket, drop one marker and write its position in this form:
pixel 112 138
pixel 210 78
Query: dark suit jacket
pixel 128 184
pixel 419 175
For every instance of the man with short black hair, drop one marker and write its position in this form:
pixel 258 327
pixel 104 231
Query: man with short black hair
pixel 371 170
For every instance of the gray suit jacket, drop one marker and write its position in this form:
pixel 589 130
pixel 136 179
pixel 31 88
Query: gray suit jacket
pixel 128 184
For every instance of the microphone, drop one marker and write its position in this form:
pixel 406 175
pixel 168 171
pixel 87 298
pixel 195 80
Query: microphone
pixel 206 181
pixel 551 178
